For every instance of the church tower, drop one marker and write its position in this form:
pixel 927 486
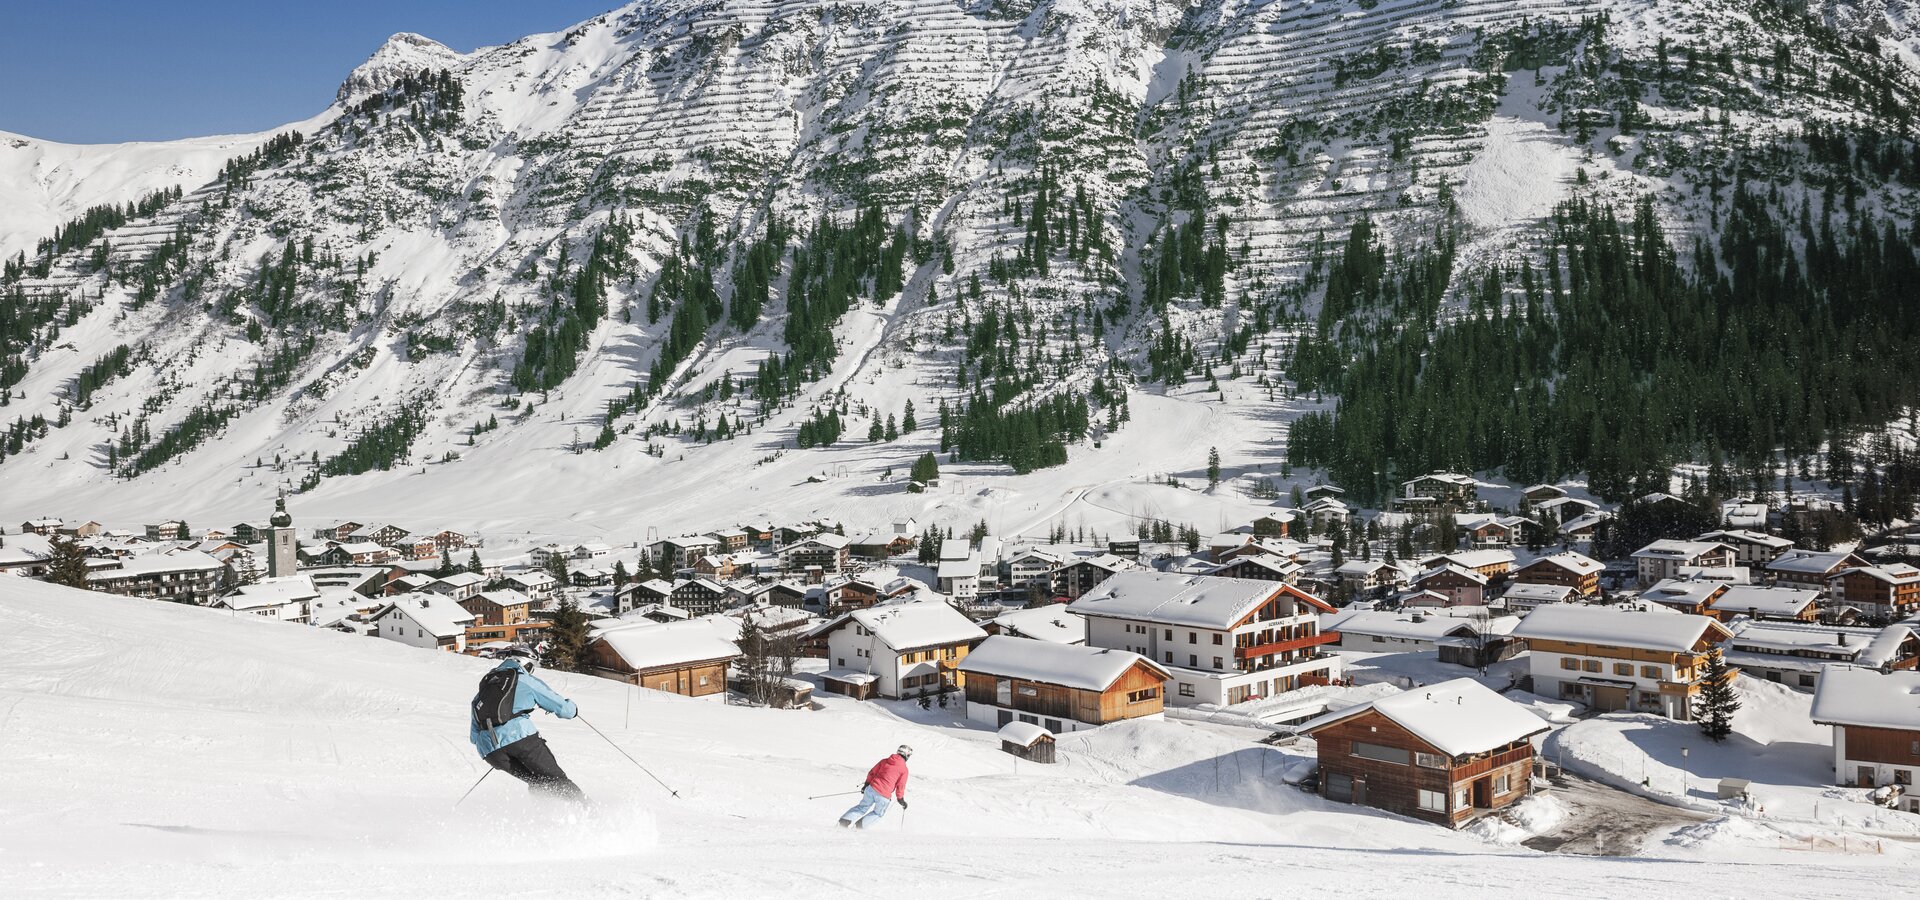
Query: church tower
pixel 282 549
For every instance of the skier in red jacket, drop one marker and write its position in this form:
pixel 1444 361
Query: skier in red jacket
pixel 886 781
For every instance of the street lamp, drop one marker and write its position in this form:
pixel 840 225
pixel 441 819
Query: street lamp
pixel 1686 772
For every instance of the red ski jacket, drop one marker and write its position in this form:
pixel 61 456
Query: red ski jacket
pixel 888 778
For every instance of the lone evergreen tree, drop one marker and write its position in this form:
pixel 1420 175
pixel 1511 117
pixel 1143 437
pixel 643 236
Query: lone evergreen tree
pixel 68 565
pixel 1213 466
pixel 567 638
pixel 1715 706
pixel 473 562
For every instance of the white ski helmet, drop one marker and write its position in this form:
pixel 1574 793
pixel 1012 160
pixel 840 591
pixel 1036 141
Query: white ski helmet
pixel 904 751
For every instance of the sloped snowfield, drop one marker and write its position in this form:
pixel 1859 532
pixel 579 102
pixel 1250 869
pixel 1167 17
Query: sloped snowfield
pixel 159 750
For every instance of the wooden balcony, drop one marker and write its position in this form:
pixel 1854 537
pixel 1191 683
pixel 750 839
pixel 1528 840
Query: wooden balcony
pixel 1488 764
pixel 1302 643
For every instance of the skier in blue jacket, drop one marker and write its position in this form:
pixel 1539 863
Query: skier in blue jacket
pixel 515 746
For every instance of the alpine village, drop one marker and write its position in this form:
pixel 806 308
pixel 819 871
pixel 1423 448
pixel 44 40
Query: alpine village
pixel 1489 421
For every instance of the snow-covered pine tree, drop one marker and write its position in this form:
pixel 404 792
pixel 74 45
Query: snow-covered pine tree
pixel 1715 706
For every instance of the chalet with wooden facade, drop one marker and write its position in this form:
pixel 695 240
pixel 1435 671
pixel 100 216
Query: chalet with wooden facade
pixel 1618 659
pixel 828 552
pixel 1494 565
pixel 897 649
pixel 1075 579
pixel 1573 570
pixel 1812 568
pixel 1258 568
pixel 1750 548
pixel 1664 559
pixel 685 658
pixel 1365 575
pixel 1684 595
pixel 1060 687
pixel 1884 592
pixel 1224 640
pixel 1446 753
pixel 1876 727
pixel 1438 488
pixel 1463 587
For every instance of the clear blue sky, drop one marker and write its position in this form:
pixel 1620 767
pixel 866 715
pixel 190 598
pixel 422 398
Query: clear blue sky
pixel 89 71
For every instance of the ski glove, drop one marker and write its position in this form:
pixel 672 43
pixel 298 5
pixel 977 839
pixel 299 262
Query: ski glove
pixel 903 803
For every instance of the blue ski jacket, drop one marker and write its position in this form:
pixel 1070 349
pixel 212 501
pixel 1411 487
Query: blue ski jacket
pixel 527 694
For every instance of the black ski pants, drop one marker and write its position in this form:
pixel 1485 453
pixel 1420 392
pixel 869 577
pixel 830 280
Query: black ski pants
pixel 529 760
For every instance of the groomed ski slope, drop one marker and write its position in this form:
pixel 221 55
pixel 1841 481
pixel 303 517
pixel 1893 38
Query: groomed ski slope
pixel 161 750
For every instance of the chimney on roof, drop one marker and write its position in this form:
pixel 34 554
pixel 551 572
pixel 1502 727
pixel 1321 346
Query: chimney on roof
pixel 1843 639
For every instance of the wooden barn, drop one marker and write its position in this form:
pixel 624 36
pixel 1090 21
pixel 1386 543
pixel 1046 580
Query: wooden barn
pixel 1065 687
pixel 685 658
pixel 1445 753
pixel 1027 741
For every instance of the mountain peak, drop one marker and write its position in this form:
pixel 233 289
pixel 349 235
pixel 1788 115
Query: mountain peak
pixel 402 54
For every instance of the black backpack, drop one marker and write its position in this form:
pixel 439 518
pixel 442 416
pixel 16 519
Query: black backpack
pixel 493 706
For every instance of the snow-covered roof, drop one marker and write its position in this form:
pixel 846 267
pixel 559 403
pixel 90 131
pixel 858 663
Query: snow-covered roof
pixel 653 645
pixel 1366 567
pixel 1456 571
pixel 1809 562
pixel 1471 559
pixel 1022 734
pixel 1789 637
pixel 1197 600
pixel 157 564
pixel 1678 592
pixel 1766 601
pixel 1672 549
pixel 1447 477
pixel 266 592
pixel 1676 633
pixel 1884 649
pixel 910 626
pixel 1536 593
pixel 1069 665
pixel 1457 718
pixel 438 615
pixel 532 579
pixel 1576 563
pixel 359 548
pixel 825 539
pixel 1745 536
pixel 1868 698
pixel 1891 573
pixel 458 579
pixel 964 567
pixel 1278 565
pixel 1582 523
pixel 1417 625
pixel 503 597
pixel 1052 622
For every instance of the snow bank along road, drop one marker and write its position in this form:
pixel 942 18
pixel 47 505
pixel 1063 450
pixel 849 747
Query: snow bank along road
pixel 161 750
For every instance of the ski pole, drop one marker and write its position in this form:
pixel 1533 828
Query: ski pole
pixel 476 786
pixel 629 756
pixel 841 794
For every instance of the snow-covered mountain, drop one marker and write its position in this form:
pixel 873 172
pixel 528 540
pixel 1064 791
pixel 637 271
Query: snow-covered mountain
pixel 546 281
pixel 164 750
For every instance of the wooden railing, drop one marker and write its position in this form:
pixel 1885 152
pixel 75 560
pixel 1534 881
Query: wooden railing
pixel 1482 766
pixel 1302 643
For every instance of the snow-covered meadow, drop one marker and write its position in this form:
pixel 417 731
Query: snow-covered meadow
pixel 163 750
